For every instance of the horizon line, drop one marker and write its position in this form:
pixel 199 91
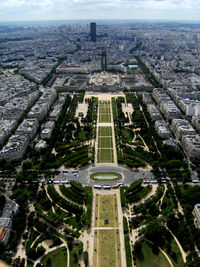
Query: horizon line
pixel 114 20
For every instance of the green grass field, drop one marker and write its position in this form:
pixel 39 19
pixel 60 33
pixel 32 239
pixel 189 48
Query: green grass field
pixel 74 255
pixel 106 209
pixel 57 257
pixel 105 156
pixel 104 112
pixel 104 117
pixel 179 261
pixel 104 107
pixel 106 248
pixel 105 131
pixel 150 259
pixel 105 142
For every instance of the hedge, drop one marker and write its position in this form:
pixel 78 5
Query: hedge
pixel 63 202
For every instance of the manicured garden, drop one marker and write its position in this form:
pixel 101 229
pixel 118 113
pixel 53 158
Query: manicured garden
pixel 104 112
pixel 105 145
pixel 105 156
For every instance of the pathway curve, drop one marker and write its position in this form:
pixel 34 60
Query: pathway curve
pixel 161 199
pixel 52 249
pixel 167 257
pixel 183 253
pixel 145 145
pixel 165 254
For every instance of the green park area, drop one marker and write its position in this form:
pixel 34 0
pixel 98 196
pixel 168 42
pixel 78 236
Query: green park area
pixel 104 112
pixel 106 213
pixel 105 156
pixel 107 248
pixel 105 145
pixel 150 259
pixel 56 258
pixel 105 142
pixel 105 131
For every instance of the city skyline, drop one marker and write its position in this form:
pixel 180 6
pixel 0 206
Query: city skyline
pixel 176 10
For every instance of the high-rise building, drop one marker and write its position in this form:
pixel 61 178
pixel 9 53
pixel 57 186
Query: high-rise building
pixel 93 31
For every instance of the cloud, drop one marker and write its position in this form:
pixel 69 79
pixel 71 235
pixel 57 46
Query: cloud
pixel 87 9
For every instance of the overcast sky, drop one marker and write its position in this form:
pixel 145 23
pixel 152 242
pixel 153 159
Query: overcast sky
pixel 20 10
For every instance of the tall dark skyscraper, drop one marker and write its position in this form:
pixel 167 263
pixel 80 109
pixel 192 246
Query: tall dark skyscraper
pixel 93 31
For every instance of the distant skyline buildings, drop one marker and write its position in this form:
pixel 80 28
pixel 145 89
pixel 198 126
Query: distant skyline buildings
pixel 30 10
pixel 93 31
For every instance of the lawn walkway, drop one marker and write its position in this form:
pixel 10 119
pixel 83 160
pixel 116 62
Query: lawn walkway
pixel 107 234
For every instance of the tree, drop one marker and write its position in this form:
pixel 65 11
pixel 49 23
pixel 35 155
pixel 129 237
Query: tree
pixel 138 250
pixel 75 256
pixel 2 163
pixel 2 203
pixel 48 262
pixel 157 233
pixel 40 251
pixel 85 258
pixel 27 165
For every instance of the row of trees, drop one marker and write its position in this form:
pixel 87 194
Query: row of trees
pixel 92 110
pixel 127 243
pixel 150 76
pixel 63 202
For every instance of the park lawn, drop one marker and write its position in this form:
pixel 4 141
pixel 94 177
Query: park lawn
pixel 104 108
pixel 105 156
pixel 128 134
pixel 82 135
pixel 150 259
pixel 179 261
pixel 105 117
pixel 105 142
pixel 74 256
pixel 105 131
pixel 106 206
pixel 57 257
pixel 107 248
